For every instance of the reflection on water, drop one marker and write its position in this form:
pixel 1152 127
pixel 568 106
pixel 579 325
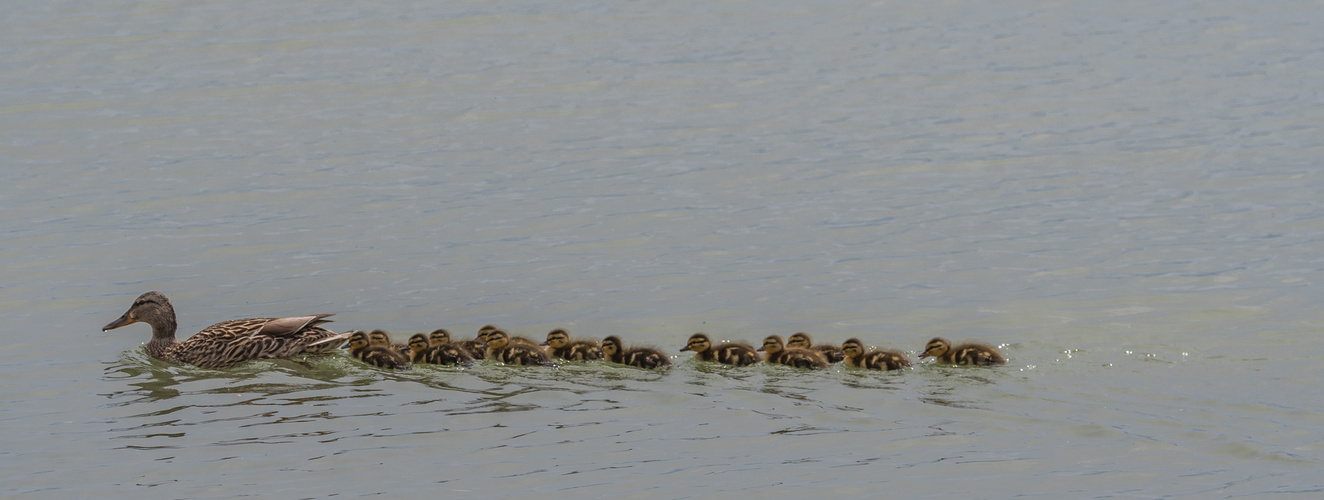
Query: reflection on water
pixel 159 385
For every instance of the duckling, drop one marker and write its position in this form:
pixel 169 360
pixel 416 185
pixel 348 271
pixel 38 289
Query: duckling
pixel 802 340
pixel 475 346
pixel 559 345
pixel 525 341
pixel 418 344
pixel 964 354
pixel 439 336
pixel 501 348
pixel 361 347
pixel 514 339
pixel 383 339
pixel 228 343
pixel 422 351
pixel 879 359
pixel 730 353
pixel 443 336
pixel 776 352
pixel 643 357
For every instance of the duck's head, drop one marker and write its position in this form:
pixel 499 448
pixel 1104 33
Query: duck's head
pixel 359 340
pixel 799 340
pixel 484 331
pixel 936 347
pixel 497 339
pixel 773 344
pixel 152 308
pixel 379 338
pixel 698 342
pixel 419 342
pixel 611 345
pixel 852 348
pixel 439 336
pixel 557 338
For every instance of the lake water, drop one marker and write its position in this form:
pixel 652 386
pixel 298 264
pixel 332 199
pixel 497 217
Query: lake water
pixel 1125 196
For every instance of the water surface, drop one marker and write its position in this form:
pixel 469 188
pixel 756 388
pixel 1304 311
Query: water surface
pixel 1124 197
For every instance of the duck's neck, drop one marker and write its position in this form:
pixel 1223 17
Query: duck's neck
pixel 163 336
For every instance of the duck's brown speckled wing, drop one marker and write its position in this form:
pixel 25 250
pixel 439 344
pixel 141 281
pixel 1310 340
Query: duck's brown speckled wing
pixel 230 342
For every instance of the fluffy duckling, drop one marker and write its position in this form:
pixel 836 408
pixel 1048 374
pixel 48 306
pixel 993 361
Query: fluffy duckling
pixel 421 350
pixel 643 357
pixel 802 340
pixel 361 348
pixel 230 342
pixel 514 339
pixel 475 346
pixel 381 338
pixel 880 359
pixel 439 336
pixel 559 345
pixel 443 336
pixel 729 353
pixel 501 348
pixel 776 352
pixel 964 354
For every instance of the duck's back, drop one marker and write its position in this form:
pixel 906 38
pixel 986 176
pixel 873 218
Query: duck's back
pixel 445 354
pixel 975 354
pixel 734 353
pixel 383 357
pixel 802 358
pixel 231 342
pixel 645 357
pixel 885 360
pixel 832 353
pixel 579 350
pixel 519 354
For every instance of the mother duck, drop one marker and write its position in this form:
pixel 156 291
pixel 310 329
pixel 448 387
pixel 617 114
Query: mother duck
pixel 228 343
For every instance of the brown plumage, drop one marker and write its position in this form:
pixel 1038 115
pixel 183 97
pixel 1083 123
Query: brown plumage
pixel 802 340
pixel 514 339
pixel 439 336
pixel 475 346
pixel 501 348
pixel 362 348
pixel 777 352
pixel 230 342
pixel 965 354
pixel 559 345
pixel 858 357
pixel 421 350
pixel 729 353
pixel 382 338
pixel 643 357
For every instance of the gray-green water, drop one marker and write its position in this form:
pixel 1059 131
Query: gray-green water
pixel 1126 195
